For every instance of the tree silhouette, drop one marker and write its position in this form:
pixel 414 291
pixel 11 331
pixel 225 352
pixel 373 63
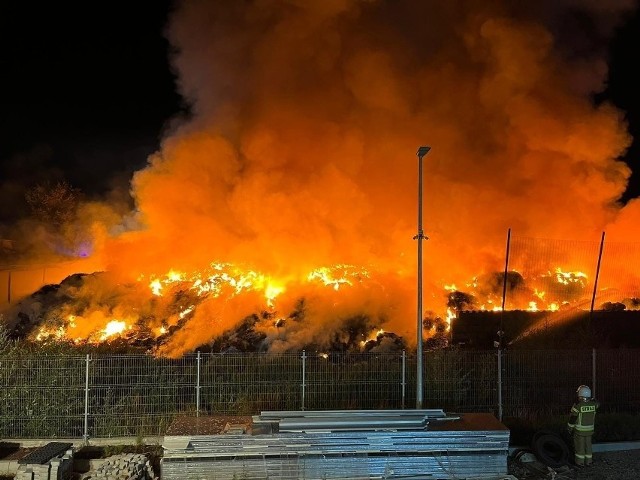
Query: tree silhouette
pixel 53 205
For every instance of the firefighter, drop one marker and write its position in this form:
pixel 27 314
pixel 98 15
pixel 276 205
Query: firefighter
pixel 581 425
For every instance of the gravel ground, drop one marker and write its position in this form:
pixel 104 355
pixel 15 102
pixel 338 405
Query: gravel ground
pixel 623 465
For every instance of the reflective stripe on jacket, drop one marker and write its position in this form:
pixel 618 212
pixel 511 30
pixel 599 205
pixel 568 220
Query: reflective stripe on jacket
pixel 583 416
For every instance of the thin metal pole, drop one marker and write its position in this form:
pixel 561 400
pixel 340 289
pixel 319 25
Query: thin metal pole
pixel 593 373
pixel 422 151
pixel 595 285
pixel 500 384
pixel 504 290
pixel 9 288
pixel 85 435
pixel 501 331
pixel 198 387
pixel 404 377
pixel 304 366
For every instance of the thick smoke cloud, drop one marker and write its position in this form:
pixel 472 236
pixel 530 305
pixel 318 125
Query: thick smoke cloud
pixel 307 115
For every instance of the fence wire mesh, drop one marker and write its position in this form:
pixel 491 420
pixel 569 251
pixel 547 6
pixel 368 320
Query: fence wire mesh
pixel 352 381
pixel 42 396
pixel 619 278
pixel 132 395
pixel 543 382
pixel 461 381
pixel 244 384
pixel 60 396
pixel 616 385
pixel 553 274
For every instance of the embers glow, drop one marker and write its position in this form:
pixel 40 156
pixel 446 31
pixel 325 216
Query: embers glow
pixel 567 278
pixel 373 337
pixel 46 334
pixel 156 287
pixel 114 327
pixel 220 279
pixel 184 293
pixel 271 292
pixel 451 315
pixel 547 291
pixel 186 312
pixel 337 276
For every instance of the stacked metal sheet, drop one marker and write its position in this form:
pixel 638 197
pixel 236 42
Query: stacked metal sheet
pixel 339 445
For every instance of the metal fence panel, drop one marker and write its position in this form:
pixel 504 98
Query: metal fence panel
pixel 620 275
pixel 617 388
pixel 41 396
pixel 247 383
pixel 347 380
pixel 461 380
pixel 543 382
pixel 132 395
pixel 554 271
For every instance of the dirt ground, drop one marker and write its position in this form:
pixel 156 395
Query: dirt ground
pixel 208 425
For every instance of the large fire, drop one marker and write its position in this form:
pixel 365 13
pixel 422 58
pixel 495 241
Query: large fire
pixel 295 171
pixel 174 301
pixel 344 289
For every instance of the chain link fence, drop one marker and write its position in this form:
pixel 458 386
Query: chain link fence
pixel 134 395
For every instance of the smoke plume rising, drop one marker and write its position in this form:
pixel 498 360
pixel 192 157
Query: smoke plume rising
pixel 300 151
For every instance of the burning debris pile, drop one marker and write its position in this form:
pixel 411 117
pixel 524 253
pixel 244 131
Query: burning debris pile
pixel 549 291
pixel 226 308
pixel 222 309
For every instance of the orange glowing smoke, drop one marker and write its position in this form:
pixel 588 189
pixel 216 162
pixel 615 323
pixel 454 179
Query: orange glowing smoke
pixel 299 155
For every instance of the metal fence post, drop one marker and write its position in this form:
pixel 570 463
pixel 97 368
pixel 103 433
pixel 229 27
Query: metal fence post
pixel 595 288
pixel 85 435
pixel 593 372
pixel 500 384
pixel 198 387
pixel 404 381
pixel 304 366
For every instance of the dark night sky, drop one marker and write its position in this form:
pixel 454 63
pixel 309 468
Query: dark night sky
pixel 87 93
pixel 622 90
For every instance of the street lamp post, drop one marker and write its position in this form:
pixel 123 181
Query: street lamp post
pixel 422 151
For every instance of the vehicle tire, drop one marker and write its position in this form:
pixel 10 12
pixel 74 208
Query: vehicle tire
pixel 550 449
pixel 519 453
pixel 539 433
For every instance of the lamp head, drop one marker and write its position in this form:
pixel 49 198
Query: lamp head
pixel 422 151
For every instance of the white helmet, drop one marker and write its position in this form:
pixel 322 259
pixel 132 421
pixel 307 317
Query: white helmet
pixel 583 391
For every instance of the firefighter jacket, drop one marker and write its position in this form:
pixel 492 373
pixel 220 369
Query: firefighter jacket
pixel 582 417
